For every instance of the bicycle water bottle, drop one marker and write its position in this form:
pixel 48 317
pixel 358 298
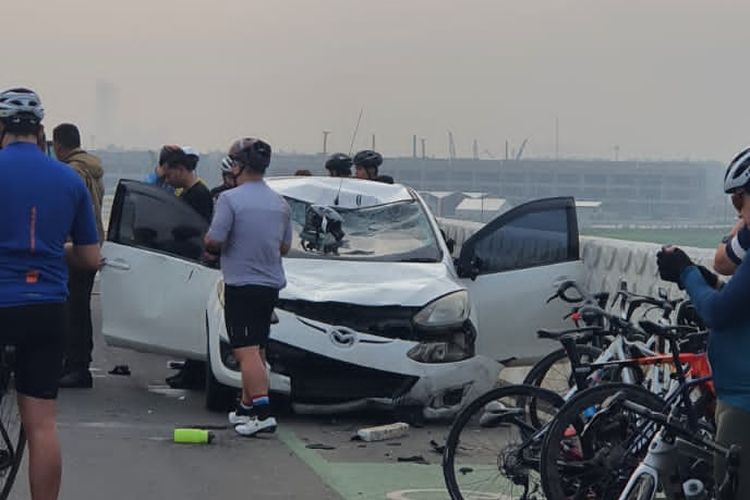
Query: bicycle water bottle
pixel 694 490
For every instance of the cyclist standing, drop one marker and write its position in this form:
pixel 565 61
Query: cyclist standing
pixel 44 203
pixel 726 313
pixel 367 164
pixel 252 230
pixel 339 165
pixel 227 176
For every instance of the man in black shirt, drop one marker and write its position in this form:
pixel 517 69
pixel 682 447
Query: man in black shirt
pixel 180 174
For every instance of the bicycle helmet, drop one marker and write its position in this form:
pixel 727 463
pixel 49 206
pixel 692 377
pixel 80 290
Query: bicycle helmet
pixel 21 106
pixel 368 159
pixel 251 153
pixel 340 165
pixel 226 165
pixel 738 172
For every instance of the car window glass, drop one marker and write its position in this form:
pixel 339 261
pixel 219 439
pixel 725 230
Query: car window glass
pixel 396 232
pixel 533 239
pixel 148 221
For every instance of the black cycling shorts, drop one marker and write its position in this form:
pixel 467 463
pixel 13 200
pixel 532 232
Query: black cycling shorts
pixel 247 313
pixel 38 333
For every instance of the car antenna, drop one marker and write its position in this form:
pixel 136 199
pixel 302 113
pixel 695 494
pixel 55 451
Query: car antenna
pixel 351 147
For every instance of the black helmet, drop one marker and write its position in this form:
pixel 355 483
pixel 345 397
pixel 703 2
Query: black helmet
pixel 251 153
pixel 340 165
pixel 368 159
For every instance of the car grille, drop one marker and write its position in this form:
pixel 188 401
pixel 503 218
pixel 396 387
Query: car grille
pixel 318 379
pixel 394 322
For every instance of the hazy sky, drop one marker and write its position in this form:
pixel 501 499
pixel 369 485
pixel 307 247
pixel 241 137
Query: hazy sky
pixel 660 78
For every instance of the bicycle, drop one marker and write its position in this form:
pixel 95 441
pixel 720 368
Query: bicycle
pixel 506 460
pixel 588 451
pixel 12 434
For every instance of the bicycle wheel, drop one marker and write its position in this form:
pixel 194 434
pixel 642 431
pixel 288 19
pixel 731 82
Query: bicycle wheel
pixel 585 451
pixel 553 372
pixel 492 450
pixel 12 435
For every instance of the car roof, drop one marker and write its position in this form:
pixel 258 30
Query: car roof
pixel 350 192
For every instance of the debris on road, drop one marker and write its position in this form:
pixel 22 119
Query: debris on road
pixel 383 432
pixel 123 370
pixel 416 459
pixel 320 446
pixel 437 448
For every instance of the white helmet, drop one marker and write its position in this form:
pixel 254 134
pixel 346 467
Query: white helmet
pixel 738 172
pixel 226 165
pixel 21 105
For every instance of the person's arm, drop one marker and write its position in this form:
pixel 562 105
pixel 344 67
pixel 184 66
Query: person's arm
pixel 83 251
pixel 87 257
pixel 727 256
pixel 221 225
pixel 724 307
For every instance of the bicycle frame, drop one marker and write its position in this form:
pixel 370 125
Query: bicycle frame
pixel 671 453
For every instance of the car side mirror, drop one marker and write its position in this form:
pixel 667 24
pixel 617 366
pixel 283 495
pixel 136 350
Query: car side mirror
pixel 471 269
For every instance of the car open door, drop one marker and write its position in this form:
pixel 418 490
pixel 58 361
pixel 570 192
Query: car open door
pixel 512 266
pixel 154 288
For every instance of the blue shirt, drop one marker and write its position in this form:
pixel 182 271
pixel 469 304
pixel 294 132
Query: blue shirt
pixel 44 202
pixel 727 314
pixel 155 181
pixel 252 221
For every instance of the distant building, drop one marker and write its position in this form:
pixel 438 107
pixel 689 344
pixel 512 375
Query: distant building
pixel 653 192
pixel 105 114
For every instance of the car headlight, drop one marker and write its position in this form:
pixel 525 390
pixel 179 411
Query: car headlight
pixel 450 310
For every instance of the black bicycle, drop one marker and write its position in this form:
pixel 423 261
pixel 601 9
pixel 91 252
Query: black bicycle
pixel 12 435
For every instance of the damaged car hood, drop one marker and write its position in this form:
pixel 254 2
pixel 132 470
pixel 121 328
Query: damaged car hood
pixel 367 283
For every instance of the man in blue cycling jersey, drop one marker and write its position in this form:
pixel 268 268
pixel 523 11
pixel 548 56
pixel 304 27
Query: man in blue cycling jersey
pixel 725 311
pixel 45 203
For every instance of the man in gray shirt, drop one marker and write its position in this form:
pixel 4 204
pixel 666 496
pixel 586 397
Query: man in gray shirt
pixel 251 228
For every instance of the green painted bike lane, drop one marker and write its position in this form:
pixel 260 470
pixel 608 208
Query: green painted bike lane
pixel 378 481
pixel 372 481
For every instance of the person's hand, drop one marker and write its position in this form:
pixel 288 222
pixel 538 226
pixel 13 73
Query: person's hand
pixel 210 257
pixel 672 261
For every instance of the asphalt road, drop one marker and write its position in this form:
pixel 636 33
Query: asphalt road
pixel 117 445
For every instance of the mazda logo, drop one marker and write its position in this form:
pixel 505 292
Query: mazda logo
pixel 342 337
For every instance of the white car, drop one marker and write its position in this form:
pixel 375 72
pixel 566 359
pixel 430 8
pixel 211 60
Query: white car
pixel 377 313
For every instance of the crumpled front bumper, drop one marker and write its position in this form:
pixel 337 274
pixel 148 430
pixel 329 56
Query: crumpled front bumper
pixel 329 369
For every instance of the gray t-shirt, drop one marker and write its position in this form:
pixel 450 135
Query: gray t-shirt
pixel 252 220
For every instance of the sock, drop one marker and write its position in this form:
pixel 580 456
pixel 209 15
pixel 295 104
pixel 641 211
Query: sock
pixel 243 409
pixel 261 406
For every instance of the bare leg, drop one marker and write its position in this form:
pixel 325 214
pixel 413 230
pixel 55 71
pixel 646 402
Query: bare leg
pixel 253 369
pixel 45 462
